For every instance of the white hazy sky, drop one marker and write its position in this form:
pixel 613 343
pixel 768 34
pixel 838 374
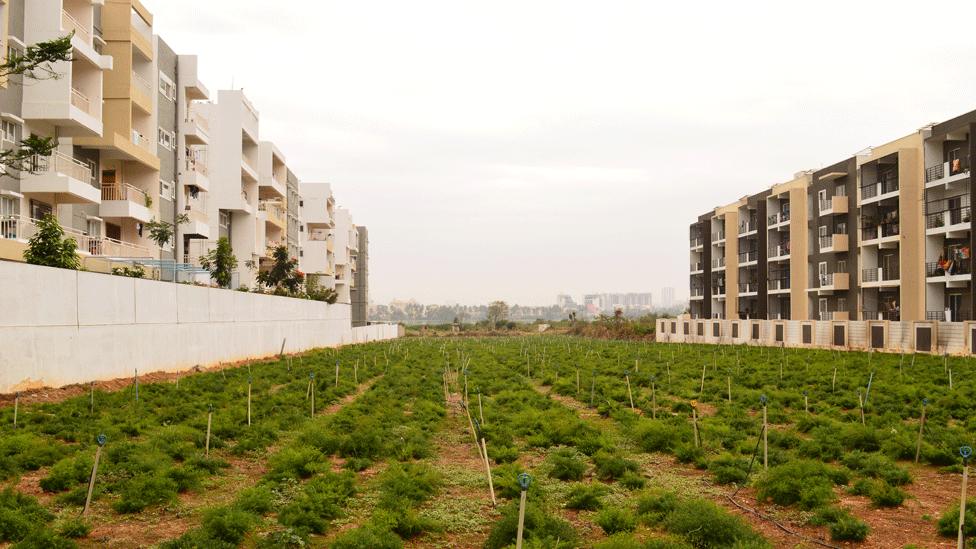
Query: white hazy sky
pixel 519 149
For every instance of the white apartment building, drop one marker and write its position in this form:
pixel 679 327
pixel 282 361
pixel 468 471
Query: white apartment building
pixel 318 239
pixel 193 174
pixel 273 194
pixel 346 246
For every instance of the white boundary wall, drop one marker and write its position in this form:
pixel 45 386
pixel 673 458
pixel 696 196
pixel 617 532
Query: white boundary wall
pixel 956 338
pixel 59 327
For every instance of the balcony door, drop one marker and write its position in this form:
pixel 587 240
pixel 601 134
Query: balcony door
pixel 113 231
pixel 823 308
pixel 955 307
pixel 39 209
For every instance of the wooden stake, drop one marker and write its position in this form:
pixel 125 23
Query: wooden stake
pixel 337 373
pixel 702 389
pixel 765 429
pixel 860 402
pixel 694 422
pixel 481 411
pixel 91 481
pixel 833 383
pixel 806 403
pixel 629 394
pixel 249 403
pixel 950 379
pixel 521 521
pixel 209 422
pixel 577 382
pixel 653 401
pixel 921 428
pixel 355 372
pixel 961 540
pixel 729 380
pixel 491 484
pixel 16 406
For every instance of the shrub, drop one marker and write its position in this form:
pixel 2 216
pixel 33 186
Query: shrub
pixel 848 528
pixel 367 536
pixel 49 246
pixel 654 506
pixel 886 495
pixel 321 500
pixel 295 463
pixel 704 524
pixel 67 473
pixel 227 525
pixel 585 497
pixel 615 519
pixel 806 483
pixel 566 465
pixel 948 524
pixel 727 469
pixel 74 528
pixel 19 514
pixel 413 482
pixel 611 466
pixel 540 528
pixel 43 538
pixel 255 500
pixel 620 541
pixel 145 491
pixel 405 522
pixel 657 436
pixel 632 481
pixel 503 454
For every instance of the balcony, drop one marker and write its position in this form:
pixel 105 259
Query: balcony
pixel 21 229
pixel 871 314
pixel 248 173
pixel 697 293
pixel 836 243
pixel 954 273
pixel 748 228
pixel 887 187
pixel 884 235
pixel 718 292
pixel 60 174
pixel 780 252
pixel 718 264
pixel 718 238
pixel 832 282
pixel 121 200
pixel 142 142
pixel 142 92
pixel 198 224
pixel 275 213
pixel 697 267
pixel 196 174
pixel 779 285
pixel 947 172
pixel 747 289
pixel 141 35
pixel 196 130
pixel 961 315
pixel 776 220
pixel 879 276
pixel 835 315
pixel 240 203
pixel 951 215
pixel 836 205
pixel 748 258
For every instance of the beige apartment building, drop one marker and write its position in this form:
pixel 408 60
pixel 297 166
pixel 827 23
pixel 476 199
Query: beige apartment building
pixel 884 234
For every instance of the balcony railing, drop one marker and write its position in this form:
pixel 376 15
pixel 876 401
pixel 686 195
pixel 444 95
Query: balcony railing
pixel 696 242
pixel 718 236
pixel 696 267
pixel 198 165
pixel 776 219
pixel 745 228
pixel 141 140
pixel 748 287
pixel 718 290
pixel 871 314
pixel 948 218
pixel 749 257
pixel 781 250
pixel 884 230
pixel 875 274
pixel 954 167
pixel 15 227
pixel 81 101
pixel 951 267
pixel 141 26
pixel 71 24
pixel 956 316
pixel 697 292
pixel 61 163
pixel 884 186
pixel 124 191
pixel 718 263
pixel 779 283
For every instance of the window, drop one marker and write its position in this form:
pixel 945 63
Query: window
pixel 841 304
pixel 224 219
pixel 166 87
pixel 167 190
pixel 167 139
pixel 9 131
pixel 841 266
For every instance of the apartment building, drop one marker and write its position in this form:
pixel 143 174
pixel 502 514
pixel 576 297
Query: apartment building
pixel 318 238
pixel 360 289
pixel 884 234
pixel 294 204
pixel 346 246
pixel 192 163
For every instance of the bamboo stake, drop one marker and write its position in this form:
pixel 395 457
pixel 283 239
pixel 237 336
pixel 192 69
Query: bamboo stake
pixel 860 401
pixel 966 452
pixel 729 380
pixel 209 422
pixel 16 407
pixel 355 372
pixel 629 394
pixel 91 482
pixel 694 422
pixel 491 484
pixel 337 374
pixel 833 383
pixel 765 430
pixel 921 428
pixel 311 382
pixel 524 481
pixel 702 389
pixel 249 402
pixel 481 411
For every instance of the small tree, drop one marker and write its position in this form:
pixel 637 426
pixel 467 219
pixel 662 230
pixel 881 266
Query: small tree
pixel 36 63
pixel 49 247
pixel 284 273
pixel 220 262
pixel 497 312
pixel 162 232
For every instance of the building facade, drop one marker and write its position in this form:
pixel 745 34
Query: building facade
pixel 360 289
pixel 883 235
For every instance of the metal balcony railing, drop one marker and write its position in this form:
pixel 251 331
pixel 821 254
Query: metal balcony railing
pixel 696 242
pixel 718 236
pixel 871 314
pixel 781 250
pixel 71 24
pixel 950 267
pixel 81 101
pixel 696 267
pixel 718 263
pixel 748 257
pixel 875 274
pixel 779 283
pixel 61 163
pixel 748 226
pixel 697 292
pixel 748 287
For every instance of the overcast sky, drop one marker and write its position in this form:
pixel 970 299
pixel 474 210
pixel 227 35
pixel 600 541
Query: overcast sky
pixel 519 149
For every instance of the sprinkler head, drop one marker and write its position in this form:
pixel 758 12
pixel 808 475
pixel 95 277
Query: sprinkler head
pixel 763 399
pixel 524 480
pixel 101 439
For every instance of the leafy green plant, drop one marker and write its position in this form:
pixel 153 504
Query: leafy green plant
pixel 135 271
pixel 586 497
pixel 50 248
pixel 566 465
pixel 615 519
pixel 805 483
pixel 220 262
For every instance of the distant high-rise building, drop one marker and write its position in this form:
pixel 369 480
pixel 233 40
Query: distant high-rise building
pixel 667 297
pixel 564 301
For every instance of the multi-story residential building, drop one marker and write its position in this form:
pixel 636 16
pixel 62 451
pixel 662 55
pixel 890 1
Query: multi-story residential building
pixel 891 246
pixel 667 297
pixel 192 163
pixel 833 260
pixel 272 196
pixel 701 274
pixel 233 159
pixel 751 293
pixel 167 108
pixel 346 245
pixel 318 238
pixel 949 234
pixel 294 203
pixel 360 290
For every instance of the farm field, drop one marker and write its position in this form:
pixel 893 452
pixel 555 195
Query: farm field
pixel 628 445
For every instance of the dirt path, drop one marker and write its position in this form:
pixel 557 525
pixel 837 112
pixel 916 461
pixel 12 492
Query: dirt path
pixel 154 525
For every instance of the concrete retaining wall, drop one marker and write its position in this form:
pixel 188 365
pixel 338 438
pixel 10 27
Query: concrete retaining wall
pixel 881 335
pixel 59 327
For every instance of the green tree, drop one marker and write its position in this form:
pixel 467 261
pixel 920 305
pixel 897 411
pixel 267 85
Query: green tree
pixel 497 312
pixel 220 262
pixel 162 232
pixel 35 63
pixel 49 247
pixel 284 273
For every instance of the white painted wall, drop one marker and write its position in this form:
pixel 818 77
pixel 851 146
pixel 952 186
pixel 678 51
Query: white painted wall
pixel 62 327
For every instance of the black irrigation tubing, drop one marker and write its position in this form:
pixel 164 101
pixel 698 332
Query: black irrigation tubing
pixel 779 525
